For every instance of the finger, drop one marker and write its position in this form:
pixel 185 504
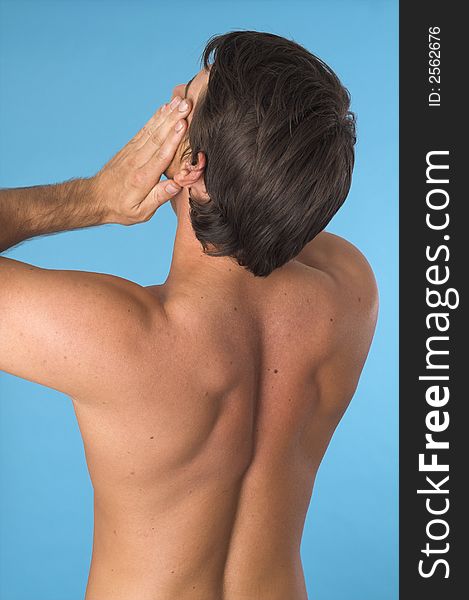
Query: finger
pixel 161 115
pixel 168 113
pixel 159 134
pixel 160 158
pixel 161 193
pixel 157 118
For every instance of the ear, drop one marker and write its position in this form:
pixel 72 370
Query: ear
pixel 192 176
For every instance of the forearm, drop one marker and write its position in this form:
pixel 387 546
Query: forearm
pixel 32 211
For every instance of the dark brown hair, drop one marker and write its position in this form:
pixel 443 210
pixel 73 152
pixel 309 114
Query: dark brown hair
pixel 275 125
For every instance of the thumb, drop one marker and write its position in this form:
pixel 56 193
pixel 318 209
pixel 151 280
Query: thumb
pixel 161 193
pixel 169 189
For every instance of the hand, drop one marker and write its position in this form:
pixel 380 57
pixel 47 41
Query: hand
pixel 128 187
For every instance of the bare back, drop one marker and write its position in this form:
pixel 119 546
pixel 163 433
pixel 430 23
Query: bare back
pixel 204 442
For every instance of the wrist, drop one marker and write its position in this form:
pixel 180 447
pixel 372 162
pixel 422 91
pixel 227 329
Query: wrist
pixel 97 195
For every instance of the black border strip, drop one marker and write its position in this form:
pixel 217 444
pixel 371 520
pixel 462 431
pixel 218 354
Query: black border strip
pixel 433 265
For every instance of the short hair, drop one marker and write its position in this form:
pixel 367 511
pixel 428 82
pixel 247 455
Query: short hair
pixel 275 126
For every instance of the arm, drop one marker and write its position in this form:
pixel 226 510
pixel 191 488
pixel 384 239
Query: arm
pixel 352 303
pixel 32 211
pixel 68 329
pixel 127 190
pixel 57 328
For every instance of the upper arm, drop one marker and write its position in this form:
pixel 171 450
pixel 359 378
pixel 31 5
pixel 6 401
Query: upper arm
pixel 58 328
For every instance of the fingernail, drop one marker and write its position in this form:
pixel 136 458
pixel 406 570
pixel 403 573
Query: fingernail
pixel 183 106
pixel 171 188
pixel 175 102
pixel 179 125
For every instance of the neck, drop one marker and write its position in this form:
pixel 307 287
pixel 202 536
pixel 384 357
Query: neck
pixel 189 263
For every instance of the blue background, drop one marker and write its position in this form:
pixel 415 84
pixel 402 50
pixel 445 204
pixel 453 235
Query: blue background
pixel 77 80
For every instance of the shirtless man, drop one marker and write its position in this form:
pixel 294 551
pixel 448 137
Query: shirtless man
pixel 206 403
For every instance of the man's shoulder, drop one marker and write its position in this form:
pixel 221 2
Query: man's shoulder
pixel 348 290
pixel 117 303
pixel 74 323
pixel 349 310
pixel 346 269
